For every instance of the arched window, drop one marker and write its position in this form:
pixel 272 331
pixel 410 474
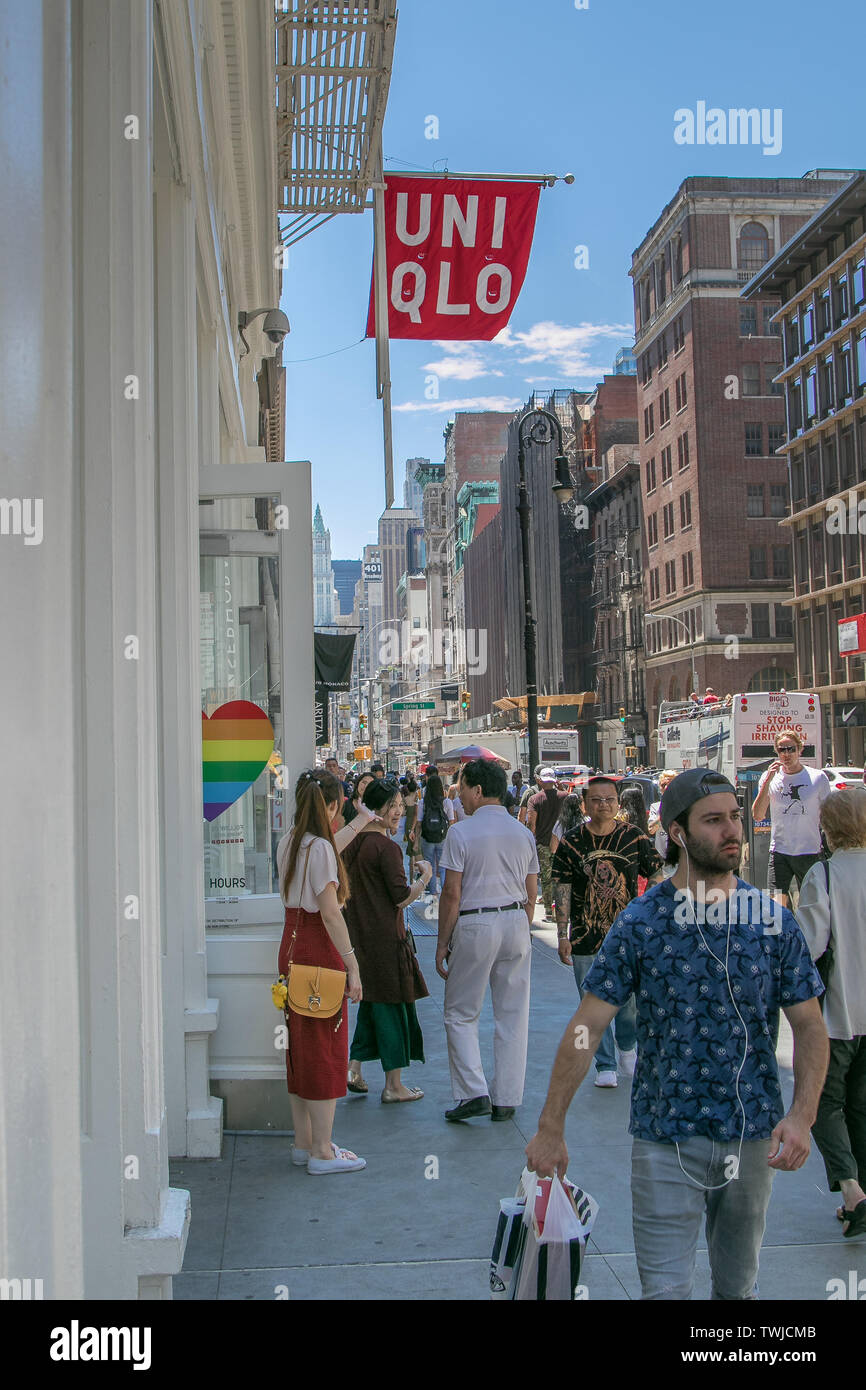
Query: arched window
pixel 674 689
pixel 754 247
pixel 773 678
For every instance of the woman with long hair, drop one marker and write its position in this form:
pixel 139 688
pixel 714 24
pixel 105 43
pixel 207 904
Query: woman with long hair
pixel 352 807
pixel 570 815
pixel 632 809
pixel 832 914
pixel 435 813
pixel 313 887
pixel 387 1026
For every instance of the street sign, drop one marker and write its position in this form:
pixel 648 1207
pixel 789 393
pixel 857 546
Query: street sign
pixel 414 704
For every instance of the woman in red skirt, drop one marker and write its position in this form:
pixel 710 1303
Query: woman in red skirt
pixel 313 887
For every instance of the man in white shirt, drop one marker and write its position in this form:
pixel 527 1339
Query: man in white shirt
pixel 794 794
pixel 485 916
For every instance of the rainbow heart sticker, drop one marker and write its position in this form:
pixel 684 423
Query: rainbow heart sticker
pixel 236 743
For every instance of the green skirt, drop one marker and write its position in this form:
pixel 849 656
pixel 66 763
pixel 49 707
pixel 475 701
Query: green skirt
pixel 390 1032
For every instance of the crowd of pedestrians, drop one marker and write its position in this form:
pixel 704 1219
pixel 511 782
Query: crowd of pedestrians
pixel 680 979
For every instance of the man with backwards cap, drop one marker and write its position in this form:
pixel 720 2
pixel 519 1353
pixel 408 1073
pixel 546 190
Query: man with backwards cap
pixel 710 971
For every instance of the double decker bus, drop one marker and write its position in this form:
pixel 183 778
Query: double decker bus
pixel 738 731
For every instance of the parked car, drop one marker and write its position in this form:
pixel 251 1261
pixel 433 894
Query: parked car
pixel 842 777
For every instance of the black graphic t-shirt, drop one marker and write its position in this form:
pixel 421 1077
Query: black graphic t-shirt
pixel 603 872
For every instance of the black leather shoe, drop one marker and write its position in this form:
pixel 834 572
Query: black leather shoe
pixel 503 1112
pixel 468 1109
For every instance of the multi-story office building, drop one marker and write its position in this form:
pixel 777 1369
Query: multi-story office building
pixel 711 420
pixel 820 278
pixel 346 575
pixel 413 490
pixel 323 575
pixel 617 598
pixel 475 443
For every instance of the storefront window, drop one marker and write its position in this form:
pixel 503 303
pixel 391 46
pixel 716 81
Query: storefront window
pixel 239 658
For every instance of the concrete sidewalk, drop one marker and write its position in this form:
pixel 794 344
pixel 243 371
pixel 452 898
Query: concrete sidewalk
pixel 261 1227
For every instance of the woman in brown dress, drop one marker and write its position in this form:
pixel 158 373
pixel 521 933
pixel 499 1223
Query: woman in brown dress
pixel 387 1026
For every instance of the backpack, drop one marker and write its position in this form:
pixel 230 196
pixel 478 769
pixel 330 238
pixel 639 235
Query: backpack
pixel 434 824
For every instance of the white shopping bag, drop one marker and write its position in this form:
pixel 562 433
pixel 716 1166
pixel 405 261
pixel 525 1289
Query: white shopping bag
pixel 557 1217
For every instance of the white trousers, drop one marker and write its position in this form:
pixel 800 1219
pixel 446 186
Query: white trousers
pixel 491 948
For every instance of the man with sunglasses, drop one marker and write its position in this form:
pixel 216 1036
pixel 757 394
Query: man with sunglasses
pixel 794 794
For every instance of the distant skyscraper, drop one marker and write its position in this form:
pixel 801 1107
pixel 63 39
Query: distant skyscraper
pixel 346 575
pixel 413 491
pixel 323 574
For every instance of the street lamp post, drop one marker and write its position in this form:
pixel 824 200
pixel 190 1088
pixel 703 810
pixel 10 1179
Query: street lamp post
pixel 543 429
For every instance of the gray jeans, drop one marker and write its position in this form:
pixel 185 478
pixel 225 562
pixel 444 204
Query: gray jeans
pixel 668 1209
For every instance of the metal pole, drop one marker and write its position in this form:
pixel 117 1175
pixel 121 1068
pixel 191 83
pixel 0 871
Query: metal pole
pixel 383 354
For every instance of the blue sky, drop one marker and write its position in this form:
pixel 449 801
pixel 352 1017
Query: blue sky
pixel 543 87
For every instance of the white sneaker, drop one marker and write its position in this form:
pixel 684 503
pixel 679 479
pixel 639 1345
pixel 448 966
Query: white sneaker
pixel 340 1163
pixel 628 1061
pixel 300 1157
pixel 606 1078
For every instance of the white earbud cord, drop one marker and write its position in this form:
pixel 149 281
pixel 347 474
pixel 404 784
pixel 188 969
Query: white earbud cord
pixel 717 1186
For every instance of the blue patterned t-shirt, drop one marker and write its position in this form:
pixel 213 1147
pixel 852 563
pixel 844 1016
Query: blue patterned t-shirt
pixel 690 1040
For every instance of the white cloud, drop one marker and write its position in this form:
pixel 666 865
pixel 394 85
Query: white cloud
pixel 564 346
pixel 461 366
pixel 470 403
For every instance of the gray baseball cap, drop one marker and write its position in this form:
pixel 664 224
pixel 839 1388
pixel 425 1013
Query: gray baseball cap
pixel 687 788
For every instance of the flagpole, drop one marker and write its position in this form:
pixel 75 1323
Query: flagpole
pixel 546 180
pixel 383 353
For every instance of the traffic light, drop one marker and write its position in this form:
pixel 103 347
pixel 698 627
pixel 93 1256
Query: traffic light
pixel 622 714
pixel 465 701
pixel 362 723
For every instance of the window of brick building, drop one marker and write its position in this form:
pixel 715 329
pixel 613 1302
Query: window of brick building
pixel 748 320
pixel 685 510
pixel 825 316
pixel 858 283
pixel 848 477
pixel 792 339
pixel 681 392
pixel 778 499
pixel 753 249
pixel 667 464
pixel 751 378
pixel 679 335
pixel 652 529
pixel 683 451
pixel 688 570
pixel 755 499
pixel 798 481
pixel 761 620
pixel 802 556
pixel 668 520
pixel 840 299
pixel 811 397
pixel 817 555
pixel 757 562
pixel 861 363
pixel 784 620
pixel 648 426
pixel 827 384
pixel 670 577
pixel 771 387
pixel 663 350
pixel 834 557
pixel 852 556
pixel 813 473
pixel 770 329
pixel 754 440
pixel 844 386
pixel 794 401
pixel 781 562
pixel 645 367
pixel 654 585
pixel 650 475
pixel 807 326
pixel 664 407
pixel 804 648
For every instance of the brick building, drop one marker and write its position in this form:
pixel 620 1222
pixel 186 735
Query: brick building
pixel 484 599
pixel 718 569
pixel 821 279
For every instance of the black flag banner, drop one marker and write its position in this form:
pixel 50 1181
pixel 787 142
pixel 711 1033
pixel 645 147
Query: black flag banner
pixel 334 660
pixel 321 713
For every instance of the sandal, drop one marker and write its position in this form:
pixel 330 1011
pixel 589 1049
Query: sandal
pixel 355 1082
pixel 390 1098
pixel 856 1220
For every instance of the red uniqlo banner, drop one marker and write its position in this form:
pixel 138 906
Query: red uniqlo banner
pixel 456 255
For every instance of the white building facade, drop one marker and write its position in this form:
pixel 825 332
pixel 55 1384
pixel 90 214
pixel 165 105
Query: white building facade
pixel 139 218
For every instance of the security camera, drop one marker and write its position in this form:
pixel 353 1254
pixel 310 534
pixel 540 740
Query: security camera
pixel 275 326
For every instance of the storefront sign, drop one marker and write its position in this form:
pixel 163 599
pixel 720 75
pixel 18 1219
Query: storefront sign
pixel 456 255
